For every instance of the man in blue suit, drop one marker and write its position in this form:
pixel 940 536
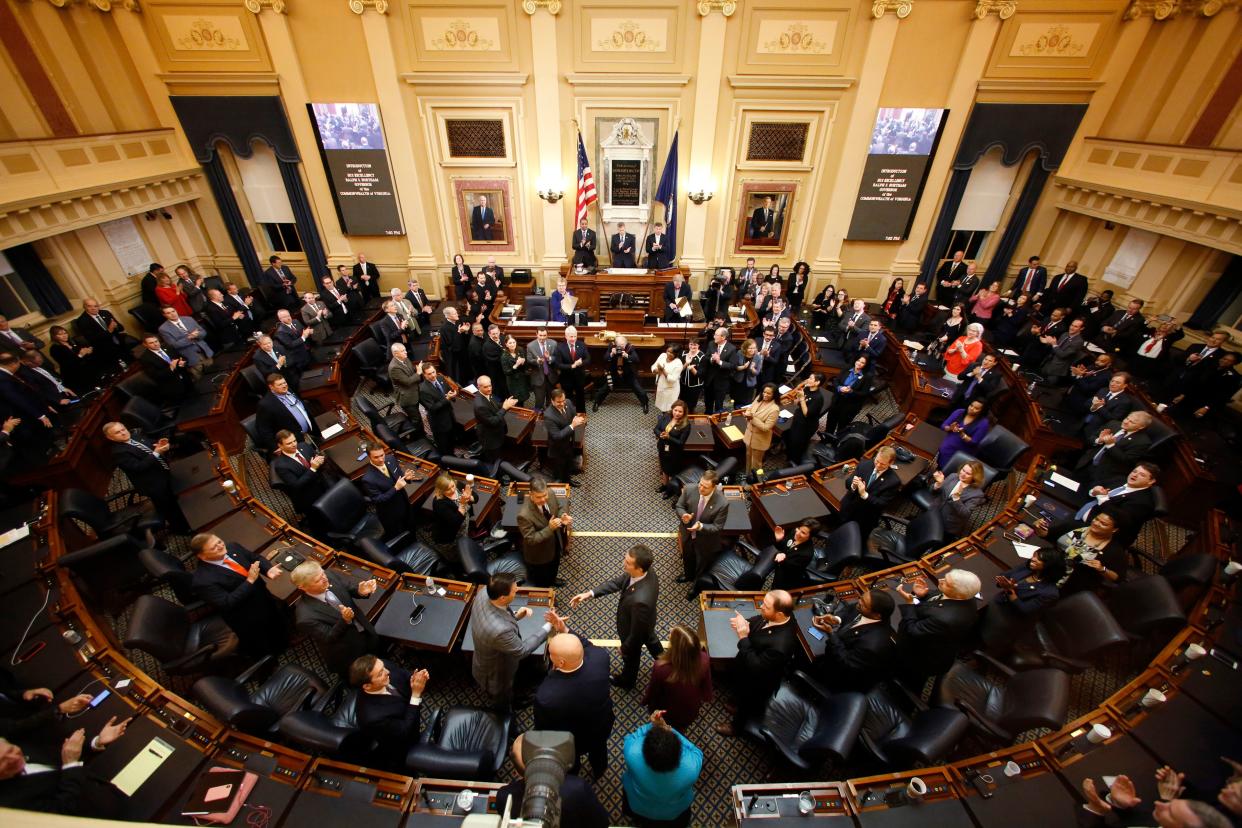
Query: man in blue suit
pixel 384 484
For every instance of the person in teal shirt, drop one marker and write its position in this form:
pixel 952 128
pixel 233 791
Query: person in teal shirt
pixel 661 767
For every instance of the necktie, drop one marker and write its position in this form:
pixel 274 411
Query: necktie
pixel 295 407
pixel 101 322
pixel 871 479
pixel 1151 343
pixel 970 389
pixel 543 358
pixel 439 386
pixel 383 467
pixel 547 513
pixel 181 326
pixel 164 356
pixel 149 451
pixel 698 513
pixel 301 459
pixel 51 379
pixel 1100 454
pixel 13 336
pixel 1030 274
pixel 330 598
pixel 236 567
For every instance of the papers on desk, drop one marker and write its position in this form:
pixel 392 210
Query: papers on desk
pixel 14 535
pixel 732 432
pixel 822 339
pixel 1062 480
pixel 139 769
pixel 332 430
pixel 785 389
pixel 784 414
pixel 470 388
pixel 1024 550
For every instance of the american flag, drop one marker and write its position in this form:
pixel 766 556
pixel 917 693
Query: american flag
pixel 586 183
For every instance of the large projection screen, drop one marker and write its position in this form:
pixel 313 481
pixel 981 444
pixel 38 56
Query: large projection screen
pixel 351 143
pixel 902 145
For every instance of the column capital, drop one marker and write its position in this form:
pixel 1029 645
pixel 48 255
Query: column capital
pixel 257 6
pixel 725 7
pixel 99 5
pixel 901 8
pixel 1168 9
pixel 532 6
pixel 1004 8
pixel 360 6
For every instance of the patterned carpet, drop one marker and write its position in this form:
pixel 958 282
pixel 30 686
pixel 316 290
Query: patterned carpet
pixel 618 495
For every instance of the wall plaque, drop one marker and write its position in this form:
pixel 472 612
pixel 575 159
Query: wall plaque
pixel 626 182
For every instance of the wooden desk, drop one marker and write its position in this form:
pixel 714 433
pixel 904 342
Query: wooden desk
pixel 761 803
pixel 485 488
pixel 1076 759
pixel 281 772
pixel 882 800
pixel 965 555
pixel 1033 798
pixel 804 599
pixel 738 520
pixel 787 501
pixel 702 435
pixel 355 570
pixel 714 628
pixel 206 504
pixel 441 621
pixel 439 796
pixel 335 793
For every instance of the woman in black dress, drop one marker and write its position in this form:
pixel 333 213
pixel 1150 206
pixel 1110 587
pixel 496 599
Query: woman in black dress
pixel 462 276
pixel 798 284
pixel 450 513
pixel 952 328
pixel 823 306
pixel 892 302
pixel 671 430
pixel 79 368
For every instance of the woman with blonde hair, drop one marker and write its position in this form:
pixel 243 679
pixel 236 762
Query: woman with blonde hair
pixel 450 516
pixel 681 681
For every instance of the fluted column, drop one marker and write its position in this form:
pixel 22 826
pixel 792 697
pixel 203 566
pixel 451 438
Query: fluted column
pixel 551 134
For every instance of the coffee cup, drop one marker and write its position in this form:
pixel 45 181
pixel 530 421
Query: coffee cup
pixel 1232 568
pixel 1194 652
pixel 806 803
pixel 917 788
pixel 1098 734
pixel 1153 698
pixel 229 486
pixel 1012 768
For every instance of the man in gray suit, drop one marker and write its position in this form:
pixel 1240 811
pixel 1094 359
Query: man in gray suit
pixel 406 377
pixel 702 512
pixel 1066 351
pixel 539 363
pixel 498 643
pixel 328 615
pixel 185 337
pixel 853 321
pixel 542 522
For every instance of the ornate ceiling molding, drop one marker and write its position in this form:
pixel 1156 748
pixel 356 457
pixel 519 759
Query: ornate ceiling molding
pixel 532 6
pixel 901 8
pixel 1168 9
pixel 360 6
pixel 725 7
pixel 99 5
pixel 257 6
pixel 1004 8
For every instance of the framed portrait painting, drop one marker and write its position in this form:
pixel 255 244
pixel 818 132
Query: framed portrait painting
pixel 485 214
pixel 764 217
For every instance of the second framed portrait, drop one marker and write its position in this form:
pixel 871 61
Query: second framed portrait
pixel 485 214
pixel 764 217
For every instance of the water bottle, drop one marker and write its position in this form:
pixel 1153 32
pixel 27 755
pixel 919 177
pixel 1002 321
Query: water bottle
pixel 342 416
pixel 431 585
pixel 728 404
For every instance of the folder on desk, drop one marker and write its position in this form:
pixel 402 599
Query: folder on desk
pixel 143 766
pixel 732 432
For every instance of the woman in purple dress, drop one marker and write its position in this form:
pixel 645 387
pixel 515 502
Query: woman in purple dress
pixel 966 427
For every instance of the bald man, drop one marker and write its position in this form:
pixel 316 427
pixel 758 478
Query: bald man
pixel 766 644
pixel 575 697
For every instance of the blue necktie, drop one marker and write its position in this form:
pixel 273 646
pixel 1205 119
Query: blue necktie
pixel 1082 513
pixel 295 407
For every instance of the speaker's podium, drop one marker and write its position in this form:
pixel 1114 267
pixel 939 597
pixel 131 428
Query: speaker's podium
pixel 623 292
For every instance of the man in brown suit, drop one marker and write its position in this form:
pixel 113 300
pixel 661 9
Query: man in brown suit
pixel 405 377
pixel 702 512
pixel 543 523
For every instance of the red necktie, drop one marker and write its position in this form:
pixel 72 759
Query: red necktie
pixel 1026 286
pixel 1151 343
pixel 236 567
pixel 302 459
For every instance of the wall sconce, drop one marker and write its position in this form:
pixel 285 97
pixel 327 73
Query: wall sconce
pixel 551 196
pixel 699 196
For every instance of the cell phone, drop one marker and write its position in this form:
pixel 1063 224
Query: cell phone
pixel 816 633
pixel 95 702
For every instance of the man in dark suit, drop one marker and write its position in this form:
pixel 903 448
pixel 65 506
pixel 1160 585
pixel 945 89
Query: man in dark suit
pixel 482 220
pixel 932 631
pixel 1110 404
pixel 1116 449
pixel 622 248
pixel 148 472
pixel 280 281
pixel 1132 501
pixel 32 436
pixel 436 397
pixel 621 362
pixel 561 421
pixel 453 335
pixel 1030 279
pixel 1213 389
pixel 269 358
pixel 326 614
pixel 493 347
pixel 542 522
pixel 41 778
pixel 299 466
pixel 948 276
pixel 280 409
pixel 230 322
pixel 763 220
pixel 227 578
pixel 291 335
pixel 659 253
pixel 172 379
pixel 29 711
pixel 384 484
pixel 1086 380
pixel 1125 330
pixel 1067 290
pixel 150 280
pixel 391 328
pixel 702 512
pixel 389 707
pixel 910 314
pixel 1067 350
pixel 794 554
pixel 367 276
pixel 574 697
pixel 872 487
pixel 584 244
pixel 808 407
pixel 474 351
pixel 570 361
pixel 674 291
pixel 343 306
pixel 720 362
pixel 871 343
pixel 50 388
pixel 489 419
pixel 636 611
pixel 772 350
pixel 858 651
pixel 17 341
pixel 104 334
pixel 983 382
pixel 766 644
pixel 418 299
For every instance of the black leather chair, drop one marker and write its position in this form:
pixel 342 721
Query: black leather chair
pixel 390 438
pixel 1162 439
pixel 107 573
pixel 255 381
pixel 340 515
pixel 474 555
pixel 807 725
pixel 742 567
pixel 334 733
pixel 168 570
pixel 137 384
pixel 1146 607
pixel 887 547
pixel 181 644
pixel 693 473
pixel 372 362
pixel 536 308
pixel 148 419
pixel 1001 449
pixel 1031 699
pixel 465 465
pixel 897 741
pixel 148 316
pixel 288 689
pixel 1190 574
pixel 461 743
pixel 794 471
pixel 416 557
pixel 1073 632
pixel 841 547
pixel 920 497
pixel 390 416
pixel 251 427
pixel 139 522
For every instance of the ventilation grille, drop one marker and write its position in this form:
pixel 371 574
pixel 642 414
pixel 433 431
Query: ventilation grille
pixel 777 141
pixel 475 138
